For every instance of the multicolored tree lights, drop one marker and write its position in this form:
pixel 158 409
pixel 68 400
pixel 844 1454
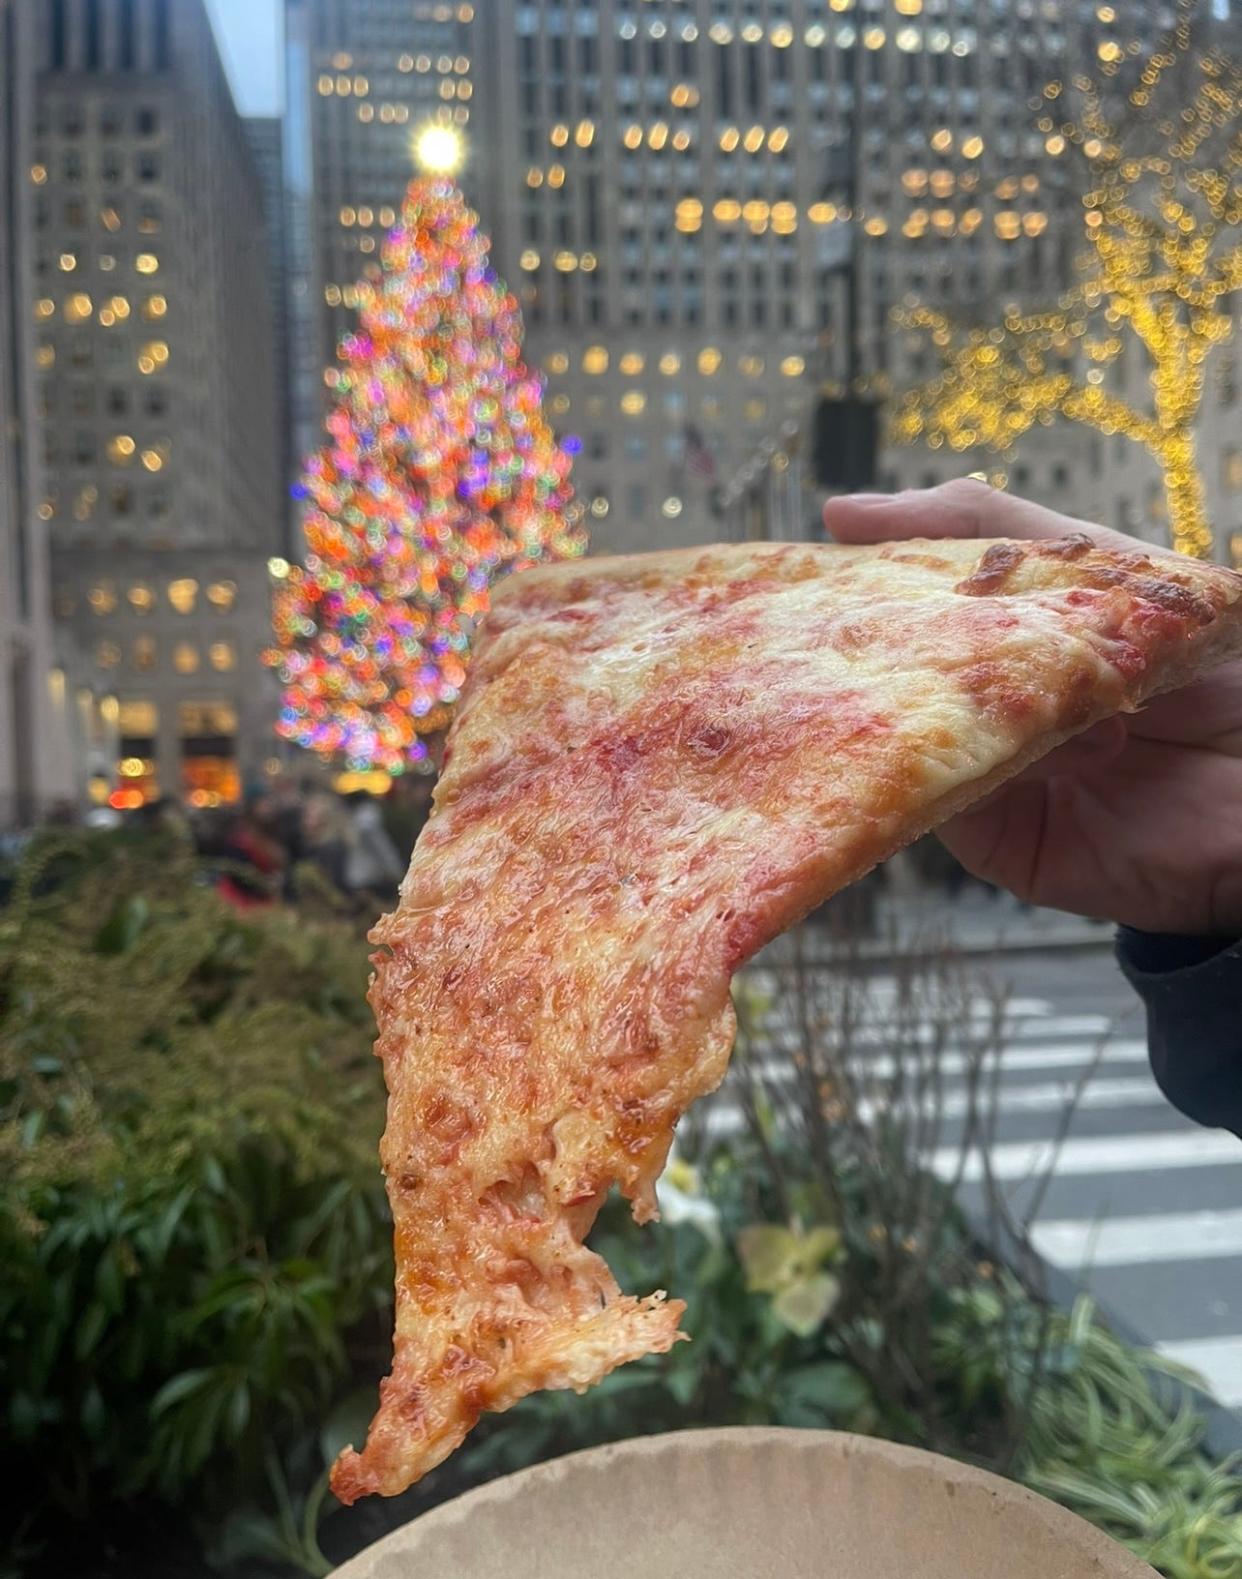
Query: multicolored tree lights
pixel 439 475
pixel 1162 196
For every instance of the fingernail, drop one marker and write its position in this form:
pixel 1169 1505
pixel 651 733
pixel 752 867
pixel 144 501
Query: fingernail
pixel 868 498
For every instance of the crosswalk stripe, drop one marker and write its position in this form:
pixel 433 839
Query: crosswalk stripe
pixel 1142 1153
pixel 954 1064
pixel 1217 1360
pixel 1137 1241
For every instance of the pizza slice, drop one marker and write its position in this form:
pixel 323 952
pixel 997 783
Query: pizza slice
pixel 659 763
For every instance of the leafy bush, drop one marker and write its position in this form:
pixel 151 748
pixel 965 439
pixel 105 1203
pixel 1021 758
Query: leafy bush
pixel 194 1222
pixel 197 1292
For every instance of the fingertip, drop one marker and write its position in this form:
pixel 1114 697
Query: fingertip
pixel 858 517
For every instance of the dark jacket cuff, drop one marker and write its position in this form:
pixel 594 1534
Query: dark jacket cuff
pixel 1192 988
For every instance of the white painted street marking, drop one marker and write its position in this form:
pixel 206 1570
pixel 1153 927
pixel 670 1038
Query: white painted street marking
pixel 1103 1154
pixel 1138 1241
pixel 1217 1360
pixel 954 1064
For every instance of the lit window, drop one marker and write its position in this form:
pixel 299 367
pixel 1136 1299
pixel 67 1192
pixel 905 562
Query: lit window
pixel 146 263
pixel 556 175
pixel 559 136
pixel 325 84
pixel 658 135
pixel 709 360
pixel 182 594
pixel 67 261
pixel 222 595
pixel 102 598
pixel 366 243
pixel 566 262
pixel 152 460
pixel 223 655
pixel 631 364
pixel 822 213
pixel 671 506
pixel 599 505
pixel 185 657
pixel 875 226
pixel 144 652
pixel 405 63
pixel 909 39
pixel 727 211
pixel 793 367
pixel 366 113
pixel 528 261
pixel 78 307
pixel 107 655
pixel 139 718
pixel 670 363
pixel 632 136
pixel 121 449
pixel 38 174
pixel 278 569
pixel 44 307
pixel 141 597
pixel 595 359
pixel 587 262
pixel 873 38
pixel 45 356
pixel 729 138
pixel 753 140
pixel 942 140
pixel 348 216
pixel 782 35
pixel 556 362
pixel 119 307
pixel 689 214
pixel 633 402
pixel 559 405
pixel 972 147
pixel 387 216
pixel 778 138
pixel 366 216
pixel 332 295
pixel 154 307
pixel 584 135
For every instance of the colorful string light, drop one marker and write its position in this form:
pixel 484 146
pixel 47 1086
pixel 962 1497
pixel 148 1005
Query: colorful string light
pixel 1163 206
pixel 439 475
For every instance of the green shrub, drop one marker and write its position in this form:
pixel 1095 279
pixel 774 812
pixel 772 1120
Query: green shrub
pixel 194 1223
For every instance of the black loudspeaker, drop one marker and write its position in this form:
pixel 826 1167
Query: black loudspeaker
pixel 847 442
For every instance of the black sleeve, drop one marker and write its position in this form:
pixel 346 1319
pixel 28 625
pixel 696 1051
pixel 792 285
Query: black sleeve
pixel 1192 988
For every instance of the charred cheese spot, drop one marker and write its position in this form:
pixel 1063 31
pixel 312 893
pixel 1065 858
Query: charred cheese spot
pixel 993 571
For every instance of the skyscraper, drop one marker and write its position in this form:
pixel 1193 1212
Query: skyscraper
pixel 33 701
pixel 151 421
pixel 361 79
pixel 677 189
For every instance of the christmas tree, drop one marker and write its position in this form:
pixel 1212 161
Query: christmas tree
pixel 439 475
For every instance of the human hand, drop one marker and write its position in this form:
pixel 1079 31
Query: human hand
pixel 1138 819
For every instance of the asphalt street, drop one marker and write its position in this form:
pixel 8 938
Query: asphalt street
pixel 1143 1207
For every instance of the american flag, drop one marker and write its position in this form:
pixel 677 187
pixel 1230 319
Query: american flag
pixel 699 459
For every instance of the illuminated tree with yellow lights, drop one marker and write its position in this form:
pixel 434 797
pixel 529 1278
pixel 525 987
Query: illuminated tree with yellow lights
pixel 1163 199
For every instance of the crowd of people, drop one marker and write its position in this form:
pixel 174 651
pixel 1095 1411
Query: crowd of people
pixel 358 843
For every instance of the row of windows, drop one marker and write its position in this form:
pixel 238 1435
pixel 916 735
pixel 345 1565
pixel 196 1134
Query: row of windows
pixel 74 214
pixel 111 166
pixel 116 48
pixel 111 119
pixel 182 594
pixel 186 657
pixel 119 501
pixel 81 399
pixel 597 359
pixel 79 307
